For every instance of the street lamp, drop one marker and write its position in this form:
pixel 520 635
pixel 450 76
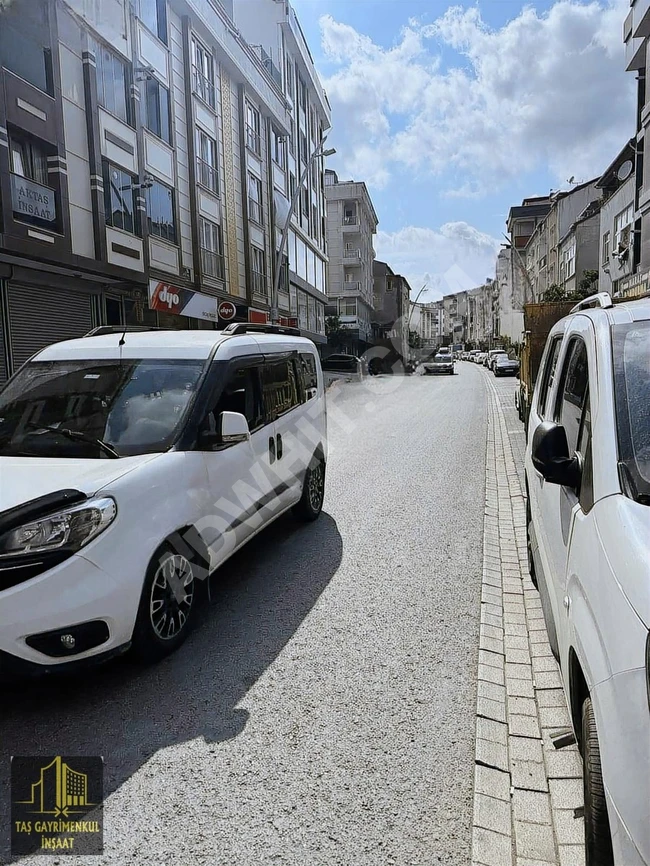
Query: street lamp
pixel 423 290
pixel 317 154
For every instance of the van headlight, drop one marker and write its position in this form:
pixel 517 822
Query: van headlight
pixel 69 529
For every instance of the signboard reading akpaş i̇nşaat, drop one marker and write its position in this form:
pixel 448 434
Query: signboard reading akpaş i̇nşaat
pixel 32 199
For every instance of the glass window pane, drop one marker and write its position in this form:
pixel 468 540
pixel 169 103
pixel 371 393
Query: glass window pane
pixel 109 84
pixel 165 120
pixel 119 88
pixel 24 57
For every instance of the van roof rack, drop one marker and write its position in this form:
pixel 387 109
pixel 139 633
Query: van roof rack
pixel 236 328
pixel 602 300
pixel 102 330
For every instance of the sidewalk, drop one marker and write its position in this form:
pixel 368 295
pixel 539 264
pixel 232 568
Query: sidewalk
pixel 525 790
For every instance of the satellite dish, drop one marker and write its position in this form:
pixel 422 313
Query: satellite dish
pixel 625 170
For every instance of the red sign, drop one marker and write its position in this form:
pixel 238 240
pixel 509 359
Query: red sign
pixel 258 316
pixel 165 298
pixel 227 310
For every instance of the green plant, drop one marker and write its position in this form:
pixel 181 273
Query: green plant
pixel 588 285
pixel 553 293
pixel 415 341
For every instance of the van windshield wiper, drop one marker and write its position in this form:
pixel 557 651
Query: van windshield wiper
pixel 78 436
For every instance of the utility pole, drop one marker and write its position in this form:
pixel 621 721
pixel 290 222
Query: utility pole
pixel 317 154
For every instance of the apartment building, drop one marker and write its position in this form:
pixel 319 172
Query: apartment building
pixel 137 143
pixel 426 321
pixel 391 312
pixel 617 221
pixel 578 249
pixel 351 224
pixel 273 31
pixel 455 309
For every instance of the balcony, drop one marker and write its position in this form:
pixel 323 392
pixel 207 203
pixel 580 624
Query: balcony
pixel 203 87
pixel 351 256
pixel 274 73
pixel 351 286
pixel 350 220
pixel 253 141
pixel 207 175
pixel 212 265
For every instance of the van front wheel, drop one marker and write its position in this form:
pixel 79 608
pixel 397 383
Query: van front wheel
pixel 598 840
pixel 313 492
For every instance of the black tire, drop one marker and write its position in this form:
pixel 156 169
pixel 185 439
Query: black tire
pixel 160 631
pixel 313 492
pixel 529 547
pixel 598 838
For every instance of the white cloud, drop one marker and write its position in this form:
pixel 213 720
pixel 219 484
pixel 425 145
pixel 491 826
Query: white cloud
pixel 455 257
pixel 543 90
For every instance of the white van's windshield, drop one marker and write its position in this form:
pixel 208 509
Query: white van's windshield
pixel 90 408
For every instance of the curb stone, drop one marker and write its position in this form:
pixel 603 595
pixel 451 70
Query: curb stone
pixel 525 791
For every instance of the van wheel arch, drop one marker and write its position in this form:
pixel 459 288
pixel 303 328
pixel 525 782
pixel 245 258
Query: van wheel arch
pixel 578 693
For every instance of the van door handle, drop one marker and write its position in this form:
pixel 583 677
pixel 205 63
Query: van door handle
pixel 279 448
pixel 271 449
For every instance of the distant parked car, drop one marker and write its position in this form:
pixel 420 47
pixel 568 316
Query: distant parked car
pixel 342 363
pixel 493 354
pixel 505 366
pixel 442 363
pixel 481 357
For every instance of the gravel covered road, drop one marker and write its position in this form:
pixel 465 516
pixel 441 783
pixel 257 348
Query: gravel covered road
pixel 323 711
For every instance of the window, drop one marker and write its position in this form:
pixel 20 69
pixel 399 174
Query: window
pixel 622 225
pixel 157 118
pixel 573 391
pixel 347 306
pixel 312 124
pixel 606 246
pixel 293 300
pixel 302 93
pixel 212 250
pixel 320 322
pixel 304 197
pixel 311 314
pixel 242 393
pixel 206 161
pixel 28 158
pixel 568 261
pixel 25 56
pixel 292 186
pixel 258 270
pixel 153 13
pixel 314 221
pixel 160 212
pixel 253 138
pixel 303 147
pixel 309 374
pixel 203 73
pixel 292 145
pixel 288 83
pixel 119 199
pixel 112 82
pixel 255 199
pixel 279 152
pixel 303 307
pixel 279 388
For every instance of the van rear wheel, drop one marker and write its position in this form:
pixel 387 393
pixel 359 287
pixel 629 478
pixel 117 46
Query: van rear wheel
pixel 313 492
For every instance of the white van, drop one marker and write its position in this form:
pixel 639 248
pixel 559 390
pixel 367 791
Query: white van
pixel 134 464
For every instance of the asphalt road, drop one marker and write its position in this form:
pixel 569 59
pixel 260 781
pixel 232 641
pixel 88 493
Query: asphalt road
pixel 323 710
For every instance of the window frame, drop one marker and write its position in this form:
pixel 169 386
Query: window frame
pixel 253 129
pixel 215 232
pixel 148 197
pixel 99 48
pixel 606 247
pixel 151 82
pixel 48 69
pixel 203 164
pixel 203 73
pixel 567 357
pixel 271 412
pixel 255 364
pixel 548 374
pixel 255 206
pixel 161 28
pixel 107 167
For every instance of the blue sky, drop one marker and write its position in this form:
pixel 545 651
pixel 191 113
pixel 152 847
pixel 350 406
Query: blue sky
pixel 453 114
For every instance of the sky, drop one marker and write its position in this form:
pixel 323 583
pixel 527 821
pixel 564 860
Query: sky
pixel 453 114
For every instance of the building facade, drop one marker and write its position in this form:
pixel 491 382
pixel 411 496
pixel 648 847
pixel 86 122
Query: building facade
pixel 351 224
pixel 138 141
pixel 426 321
pixel 617 221
pixel 273 31
pixel 391 312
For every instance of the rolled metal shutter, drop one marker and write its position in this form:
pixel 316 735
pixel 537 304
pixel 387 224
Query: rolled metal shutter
pixel 39 316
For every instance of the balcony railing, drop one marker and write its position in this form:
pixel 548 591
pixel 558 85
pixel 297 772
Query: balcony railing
pixel 270 67
pixel 351 254
pixel 258 283
pixel 255 211
pixel 350 220
pixel 351 286
pixel 253 141
pixel 212 264
pixel 203 87
pixel 207 175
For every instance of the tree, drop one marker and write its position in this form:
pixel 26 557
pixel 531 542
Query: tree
pixel 588 285
pixel 553 293
pixel 415 340
pixel 334 330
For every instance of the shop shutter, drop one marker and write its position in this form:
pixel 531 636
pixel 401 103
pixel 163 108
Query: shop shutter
pixel 40 316
pixel 3 366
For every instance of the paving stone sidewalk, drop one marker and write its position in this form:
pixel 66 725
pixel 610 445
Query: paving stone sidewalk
pixel 525 790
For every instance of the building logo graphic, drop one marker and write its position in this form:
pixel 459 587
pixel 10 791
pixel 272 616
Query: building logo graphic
pixel 56 805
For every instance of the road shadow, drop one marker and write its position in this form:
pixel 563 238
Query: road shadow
pixel 127 713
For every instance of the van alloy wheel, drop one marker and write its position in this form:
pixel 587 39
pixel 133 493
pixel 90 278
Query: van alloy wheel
pixel 172 593
pixel 316 486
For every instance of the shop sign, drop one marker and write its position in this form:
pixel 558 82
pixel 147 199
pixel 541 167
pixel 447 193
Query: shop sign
pixel 32 199
pixel 166 298
pixel 634 286
pixel 227 310
pixel 260 317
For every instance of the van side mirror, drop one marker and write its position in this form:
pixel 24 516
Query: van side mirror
pixel 233 428
pixel 551 458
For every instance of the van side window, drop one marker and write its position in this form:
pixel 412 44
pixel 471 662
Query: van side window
pixel 307 366
pixel 584 449
pixel 279 387
pixel 549 375
pixel 242 393
pixel 573 391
